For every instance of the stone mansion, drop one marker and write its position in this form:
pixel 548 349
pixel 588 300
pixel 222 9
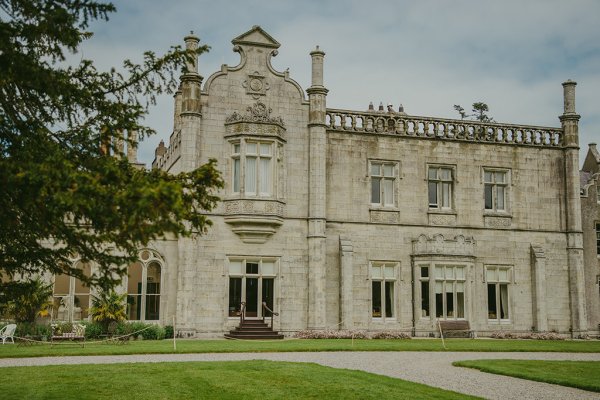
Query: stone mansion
pixel 370 220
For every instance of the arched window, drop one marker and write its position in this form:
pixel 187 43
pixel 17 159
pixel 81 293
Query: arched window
pixel 144 279
pixel 71 296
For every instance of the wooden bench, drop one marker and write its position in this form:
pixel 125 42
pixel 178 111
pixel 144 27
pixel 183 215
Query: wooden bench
pixel 77 334
pixel 456 329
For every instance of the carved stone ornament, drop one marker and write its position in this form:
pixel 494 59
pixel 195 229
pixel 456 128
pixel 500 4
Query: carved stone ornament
pixel 438 245
pixel 442 219
pixel 254 221
pixel 256 85
pixel 386 217
pixel 497 222
pixel 258 112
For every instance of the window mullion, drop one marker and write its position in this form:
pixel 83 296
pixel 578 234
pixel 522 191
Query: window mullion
pixel 144 284
pixel 498 306
pixel 243 167
pixel 383 298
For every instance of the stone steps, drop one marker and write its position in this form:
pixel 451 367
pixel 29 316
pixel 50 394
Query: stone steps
pixel 253 330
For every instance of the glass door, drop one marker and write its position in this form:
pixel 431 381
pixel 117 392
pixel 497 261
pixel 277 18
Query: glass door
pixel 252 297
pixel 267 294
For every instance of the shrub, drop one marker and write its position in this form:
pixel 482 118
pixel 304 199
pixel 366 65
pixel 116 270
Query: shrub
pixel 93 330
pixel 31 329
pixel 332 334
pixel 169 332
pixel 154 332
pixel 390 335
pixel 108 307
pixel 528 335
pixel 27 300
pixel 148 331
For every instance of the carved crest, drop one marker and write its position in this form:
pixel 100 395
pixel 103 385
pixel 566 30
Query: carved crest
pixel 258 112
pixel 256 85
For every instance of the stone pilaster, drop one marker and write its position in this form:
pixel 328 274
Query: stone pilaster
pixel 346 283
pixel 317 94
pixel 538 288
pixel 570 125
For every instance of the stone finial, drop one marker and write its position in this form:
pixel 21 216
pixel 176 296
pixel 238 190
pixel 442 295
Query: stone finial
pixel 380 106
pixel 569 96
pixel 371 107
pixel 317 56
pixel 401 109
pixel 191 44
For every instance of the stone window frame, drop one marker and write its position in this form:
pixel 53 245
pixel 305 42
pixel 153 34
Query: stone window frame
pixel 394 177
pixel 67 300
pixel 146 258
pixel 497 281
pixel 239 157
pixel 384 279
pixel 598 238
pixel 507 192
pixel 433 279
pixel 439 182
pixel 260 275
pixel 422 300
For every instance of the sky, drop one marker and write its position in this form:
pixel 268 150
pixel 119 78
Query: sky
pixel 427 55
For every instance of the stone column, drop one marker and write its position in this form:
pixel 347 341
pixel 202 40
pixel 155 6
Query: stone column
pixel 317 94
pixel 346 283
pixel 132 141
pixel 570 125
pixel 119 144
pixel 191 109
pixel 538 288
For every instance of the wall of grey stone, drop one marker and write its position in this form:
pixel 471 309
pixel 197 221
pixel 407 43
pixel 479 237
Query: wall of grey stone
pixel 386 233
pixel 590 210
pixel 535 215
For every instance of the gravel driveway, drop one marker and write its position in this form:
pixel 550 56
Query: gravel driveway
pixel 430 368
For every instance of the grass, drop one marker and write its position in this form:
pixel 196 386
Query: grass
pixel 578 374
pixel 233 346
pixel 208 380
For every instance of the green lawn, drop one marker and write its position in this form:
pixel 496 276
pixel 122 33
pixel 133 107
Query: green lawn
pixel 230 346
pixel 208 380
pixel 577 374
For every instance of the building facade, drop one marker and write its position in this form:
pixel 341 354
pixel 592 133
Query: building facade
pixel 590 211
pixel 374 220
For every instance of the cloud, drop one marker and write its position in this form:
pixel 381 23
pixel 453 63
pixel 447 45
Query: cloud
pixel 428 55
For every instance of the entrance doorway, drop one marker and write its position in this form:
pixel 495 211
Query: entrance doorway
pixel 251 282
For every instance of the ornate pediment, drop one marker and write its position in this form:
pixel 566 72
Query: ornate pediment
pixel 257 113
pixel 256 37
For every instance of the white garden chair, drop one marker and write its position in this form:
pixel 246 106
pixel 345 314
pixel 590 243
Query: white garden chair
pixel 8 332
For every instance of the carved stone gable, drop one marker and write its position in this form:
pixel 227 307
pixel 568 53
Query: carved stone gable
pixel 257 113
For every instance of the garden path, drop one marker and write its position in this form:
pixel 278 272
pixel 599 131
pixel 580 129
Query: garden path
pixel 429 368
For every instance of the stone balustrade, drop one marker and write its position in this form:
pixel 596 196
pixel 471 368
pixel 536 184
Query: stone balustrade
pixel 392 123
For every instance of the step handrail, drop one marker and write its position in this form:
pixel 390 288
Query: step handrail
pixel 242 312
pixel 266 307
